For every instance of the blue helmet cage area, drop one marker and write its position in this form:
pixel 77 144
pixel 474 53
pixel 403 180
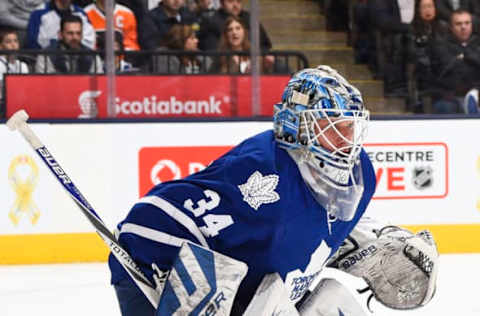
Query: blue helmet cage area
pixel 315 103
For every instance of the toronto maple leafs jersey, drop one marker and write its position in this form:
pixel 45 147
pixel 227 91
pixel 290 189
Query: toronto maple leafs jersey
pixel 251 204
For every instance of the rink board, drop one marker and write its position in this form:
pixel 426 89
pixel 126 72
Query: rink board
pixel 428 177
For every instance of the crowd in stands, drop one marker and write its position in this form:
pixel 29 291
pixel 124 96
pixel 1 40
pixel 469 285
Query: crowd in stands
pixel 426 51
pixel 65 29
pixel 150 36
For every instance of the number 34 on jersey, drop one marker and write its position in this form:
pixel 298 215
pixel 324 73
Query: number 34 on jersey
pixel 214 223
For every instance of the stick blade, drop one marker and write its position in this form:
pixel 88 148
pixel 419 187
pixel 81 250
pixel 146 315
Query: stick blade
pixel 17 119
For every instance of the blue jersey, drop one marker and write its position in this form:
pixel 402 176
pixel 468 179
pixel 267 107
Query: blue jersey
pixel 251 204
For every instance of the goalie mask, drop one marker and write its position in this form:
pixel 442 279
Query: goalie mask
pixel 323 116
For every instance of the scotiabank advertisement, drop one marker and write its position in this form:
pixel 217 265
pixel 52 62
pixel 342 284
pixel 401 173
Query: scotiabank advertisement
pixel 54 96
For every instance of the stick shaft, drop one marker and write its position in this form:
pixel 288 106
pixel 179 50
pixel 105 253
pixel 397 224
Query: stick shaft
pixel 122 256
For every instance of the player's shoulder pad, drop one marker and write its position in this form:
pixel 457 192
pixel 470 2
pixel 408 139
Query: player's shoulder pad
pixel 256 152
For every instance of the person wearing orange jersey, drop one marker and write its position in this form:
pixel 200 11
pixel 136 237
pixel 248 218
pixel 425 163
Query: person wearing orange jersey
pixel 123 18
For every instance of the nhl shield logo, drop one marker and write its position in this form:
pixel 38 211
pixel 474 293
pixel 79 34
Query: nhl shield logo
pixel 422 177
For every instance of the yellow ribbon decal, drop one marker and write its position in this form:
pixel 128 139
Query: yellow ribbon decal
pixel 23 187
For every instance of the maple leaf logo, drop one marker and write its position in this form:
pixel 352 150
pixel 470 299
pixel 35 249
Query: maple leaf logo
pixel 260 189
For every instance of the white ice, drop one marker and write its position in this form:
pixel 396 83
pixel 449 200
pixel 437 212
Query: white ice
pixel 83 289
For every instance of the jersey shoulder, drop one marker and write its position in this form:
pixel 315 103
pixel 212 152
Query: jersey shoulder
pixel 258 153
pixel 254 157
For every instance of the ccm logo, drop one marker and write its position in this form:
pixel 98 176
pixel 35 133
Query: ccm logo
pixel 161 164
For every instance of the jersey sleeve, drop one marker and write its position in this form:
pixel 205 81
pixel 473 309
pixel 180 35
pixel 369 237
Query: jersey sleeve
pixel 160 222
pixel 155 229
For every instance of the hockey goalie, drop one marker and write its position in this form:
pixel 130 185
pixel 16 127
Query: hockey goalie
pixel 253 233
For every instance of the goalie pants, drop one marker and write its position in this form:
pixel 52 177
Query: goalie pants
pixel 131 300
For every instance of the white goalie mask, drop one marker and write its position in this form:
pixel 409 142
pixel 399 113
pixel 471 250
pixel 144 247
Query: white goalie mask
pixel 323 116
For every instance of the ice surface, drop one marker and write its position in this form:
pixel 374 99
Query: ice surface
pixel 83 289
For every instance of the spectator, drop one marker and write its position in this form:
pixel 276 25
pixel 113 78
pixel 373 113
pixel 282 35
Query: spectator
pixel 15 14
pixel 393 22
pixel 203 10
pixel 159 21
pixel 9 64
pixel 211 29
pixel 121 65
pixel 44 24
pixel 235 38
pixel 124 21
pixel 70 40
pixel 455 64
pixel 445 8
pixel 426 27
pixel 182 37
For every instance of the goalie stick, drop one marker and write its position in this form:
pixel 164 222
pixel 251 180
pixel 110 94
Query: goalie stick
pixel 18 121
